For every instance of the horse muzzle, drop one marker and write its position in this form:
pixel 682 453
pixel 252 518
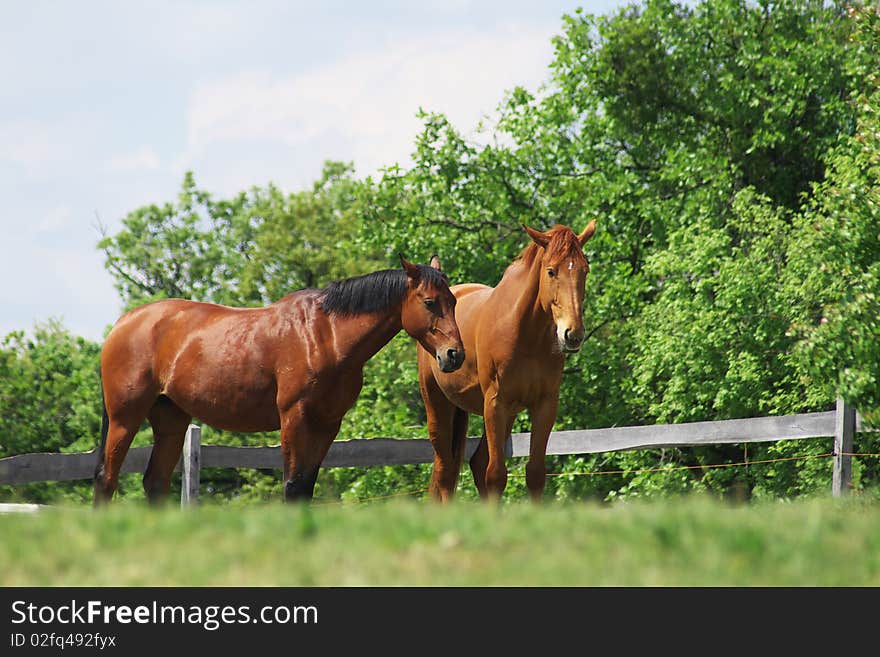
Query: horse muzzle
pixel 450 360
pixel 570 342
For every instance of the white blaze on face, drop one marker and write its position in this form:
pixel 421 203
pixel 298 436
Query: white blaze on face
pixel 570 265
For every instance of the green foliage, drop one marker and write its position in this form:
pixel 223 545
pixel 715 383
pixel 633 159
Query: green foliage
pixel 48 389
pixel 834 270
pixel 50 400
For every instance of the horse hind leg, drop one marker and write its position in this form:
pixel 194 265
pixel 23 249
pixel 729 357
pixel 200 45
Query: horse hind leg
pixel 169 424
pixel 459 442
pixel 118 431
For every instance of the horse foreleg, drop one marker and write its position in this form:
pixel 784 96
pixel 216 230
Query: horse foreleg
pixel 543 416
pixel 441 415
pixel 303 448
pixel 498 422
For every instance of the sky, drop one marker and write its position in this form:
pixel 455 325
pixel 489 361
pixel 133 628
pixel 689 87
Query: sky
pixel 105 105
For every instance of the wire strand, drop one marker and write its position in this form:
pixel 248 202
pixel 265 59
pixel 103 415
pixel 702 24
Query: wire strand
pixel 711 466
pixel 370 499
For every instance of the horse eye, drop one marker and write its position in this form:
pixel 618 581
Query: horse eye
pixel 429 303
pixel 551 273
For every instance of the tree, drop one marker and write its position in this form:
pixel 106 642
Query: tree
pixel 50 399
pixel 834 271
pixel 249 250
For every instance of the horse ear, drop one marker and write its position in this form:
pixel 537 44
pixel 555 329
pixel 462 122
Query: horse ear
pixel 435 262
pixel 411 270
pixel 539 238
pixel 585 236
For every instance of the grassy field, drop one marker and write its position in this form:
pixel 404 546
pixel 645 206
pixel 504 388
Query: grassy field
pixel 674 542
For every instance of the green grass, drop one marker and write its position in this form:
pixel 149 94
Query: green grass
pixel 673 542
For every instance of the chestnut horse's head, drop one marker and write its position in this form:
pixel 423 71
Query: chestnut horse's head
pixel 563 275
pixel 428 313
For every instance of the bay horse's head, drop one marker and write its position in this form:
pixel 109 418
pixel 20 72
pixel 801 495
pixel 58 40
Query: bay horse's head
pixel 428 313
pixel 563 276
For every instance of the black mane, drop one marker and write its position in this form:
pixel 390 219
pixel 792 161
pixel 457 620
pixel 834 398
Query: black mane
pixel 373 292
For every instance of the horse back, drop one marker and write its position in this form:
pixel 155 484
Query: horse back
pixel 193 351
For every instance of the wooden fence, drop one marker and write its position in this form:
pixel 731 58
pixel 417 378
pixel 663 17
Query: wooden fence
pixel 841 424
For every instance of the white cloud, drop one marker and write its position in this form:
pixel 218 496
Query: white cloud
pixel 366 103
pixel 144 158
pixel 29 144
pixel 46 149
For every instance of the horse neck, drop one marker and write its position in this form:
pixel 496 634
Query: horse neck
pixel 523 283
pixel 360 337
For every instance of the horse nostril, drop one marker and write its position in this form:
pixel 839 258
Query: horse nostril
pixel 573 337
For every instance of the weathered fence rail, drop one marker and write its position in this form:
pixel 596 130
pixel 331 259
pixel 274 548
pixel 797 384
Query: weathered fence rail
pixel 840 424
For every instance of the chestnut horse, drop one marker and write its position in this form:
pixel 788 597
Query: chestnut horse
pixel 296 365
pixel 516 336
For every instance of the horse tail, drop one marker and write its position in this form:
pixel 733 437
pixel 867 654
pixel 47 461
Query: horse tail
pixel 102 450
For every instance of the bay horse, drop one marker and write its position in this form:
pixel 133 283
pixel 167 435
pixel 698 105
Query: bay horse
pixel 515 337
pixel 296 364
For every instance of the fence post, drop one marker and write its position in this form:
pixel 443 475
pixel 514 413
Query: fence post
pixel 192 456
pixel 844 428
